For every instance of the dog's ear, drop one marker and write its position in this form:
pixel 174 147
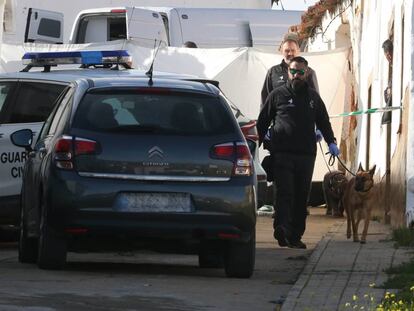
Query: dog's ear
pixel 360 169
pixel 372 170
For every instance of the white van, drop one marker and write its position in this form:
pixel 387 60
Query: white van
pixel 208 28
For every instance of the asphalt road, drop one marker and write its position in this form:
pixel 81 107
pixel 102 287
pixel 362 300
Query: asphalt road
pixel 159 282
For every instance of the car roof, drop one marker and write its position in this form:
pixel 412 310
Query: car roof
pixel 104 77
pixel 70 75
pixel 158 82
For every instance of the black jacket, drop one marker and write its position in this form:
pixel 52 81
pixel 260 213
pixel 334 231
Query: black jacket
pixel 278 76
pixel 295 117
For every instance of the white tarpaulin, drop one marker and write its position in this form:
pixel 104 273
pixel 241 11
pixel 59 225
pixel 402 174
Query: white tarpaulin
pixel 240 71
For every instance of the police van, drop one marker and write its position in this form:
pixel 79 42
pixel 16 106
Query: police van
pixel 28 97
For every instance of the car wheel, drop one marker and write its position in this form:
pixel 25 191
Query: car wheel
pixel 209 260
pixel 52 249
pixel 27 246
pixel 240 257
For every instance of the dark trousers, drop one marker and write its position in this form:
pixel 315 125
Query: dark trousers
pixel 292 182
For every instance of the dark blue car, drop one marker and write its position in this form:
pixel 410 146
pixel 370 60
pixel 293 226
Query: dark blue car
pixel 123 163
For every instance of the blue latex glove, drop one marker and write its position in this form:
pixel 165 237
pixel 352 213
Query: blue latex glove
pixel 318 135
pixel 333 149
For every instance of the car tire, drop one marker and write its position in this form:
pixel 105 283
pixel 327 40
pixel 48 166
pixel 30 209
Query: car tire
pixel 51 249
pixel 240 258
pixel 210 260
pixel 27 246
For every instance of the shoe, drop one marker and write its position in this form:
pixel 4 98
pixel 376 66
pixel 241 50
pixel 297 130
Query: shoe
pixel 279 235
pixel 296 244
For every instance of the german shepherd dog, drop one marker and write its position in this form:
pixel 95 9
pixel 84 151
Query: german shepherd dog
pixel 356 200
pixel 334 185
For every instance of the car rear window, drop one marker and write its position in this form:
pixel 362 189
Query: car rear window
pixel 165 112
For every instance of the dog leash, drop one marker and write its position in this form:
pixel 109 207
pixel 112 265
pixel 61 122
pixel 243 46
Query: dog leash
pixel 331 161
pixel 326 163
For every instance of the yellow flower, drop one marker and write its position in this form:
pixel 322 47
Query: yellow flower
pixel 401 302
pixel 347 304
pixel 392 295
pixel 371 284
pixel 412 288
pixel 354 297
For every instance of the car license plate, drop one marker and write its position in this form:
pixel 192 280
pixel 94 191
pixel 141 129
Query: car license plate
pixel 153 202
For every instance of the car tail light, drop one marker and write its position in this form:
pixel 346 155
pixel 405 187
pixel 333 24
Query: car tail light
pixel 67 147
pixel 228 236
pixel 63 153
pixel 226 150
pixel 238 153
pixel 118 11
pixel 85 146
pixel 249 131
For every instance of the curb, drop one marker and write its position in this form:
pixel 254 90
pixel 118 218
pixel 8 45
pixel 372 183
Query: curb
pixel 300 284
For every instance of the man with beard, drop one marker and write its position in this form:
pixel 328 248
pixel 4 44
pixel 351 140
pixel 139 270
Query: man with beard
pixel 294 109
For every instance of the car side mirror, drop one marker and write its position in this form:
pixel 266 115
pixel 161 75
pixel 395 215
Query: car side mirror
pixel 22 138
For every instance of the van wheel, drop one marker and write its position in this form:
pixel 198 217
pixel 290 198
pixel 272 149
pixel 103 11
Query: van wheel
pixel 52 249
pixel 27 246
pixel 240 257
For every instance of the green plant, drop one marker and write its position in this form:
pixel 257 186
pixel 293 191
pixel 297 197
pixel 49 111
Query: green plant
pixel 403 237
pixel 390 302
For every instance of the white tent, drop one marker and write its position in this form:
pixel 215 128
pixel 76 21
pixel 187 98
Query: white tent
pixel 240 72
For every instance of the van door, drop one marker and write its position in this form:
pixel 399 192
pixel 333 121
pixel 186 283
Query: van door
pixel 146 26
pixel 44 26
pixel 214 28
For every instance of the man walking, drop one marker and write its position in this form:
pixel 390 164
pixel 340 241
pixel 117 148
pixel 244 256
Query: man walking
pixel 278 75
pixel 294 109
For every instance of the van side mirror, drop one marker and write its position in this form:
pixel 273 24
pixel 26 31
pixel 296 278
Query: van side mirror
pixel 22 138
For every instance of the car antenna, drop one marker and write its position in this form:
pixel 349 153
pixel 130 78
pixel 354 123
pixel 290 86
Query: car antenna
pixel 151 69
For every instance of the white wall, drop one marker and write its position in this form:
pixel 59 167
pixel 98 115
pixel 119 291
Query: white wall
pixel 370 24
pixel 409 59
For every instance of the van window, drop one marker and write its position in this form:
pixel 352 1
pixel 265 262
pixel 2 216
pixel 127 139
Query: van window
pixel 49 28
pixel 92 28
pixel 34 102
pixel 116 28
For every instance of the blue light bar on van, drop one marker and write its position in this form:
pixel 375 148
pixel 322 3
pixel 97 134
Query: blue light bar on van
pixel 40 59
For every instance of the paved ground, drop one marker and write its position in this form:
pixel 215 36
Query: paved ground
pixel 339 268
pixel 323 277
pixel 157 282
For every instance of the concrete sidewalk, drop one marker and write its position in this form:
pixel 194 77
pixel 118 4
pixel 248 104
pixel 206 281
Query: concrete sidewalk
pixel 339 268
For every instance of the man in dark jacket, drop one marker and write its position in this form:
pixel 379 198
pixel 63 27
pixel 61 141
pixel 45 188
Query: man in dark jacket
pixel 294 109
pixel 278 75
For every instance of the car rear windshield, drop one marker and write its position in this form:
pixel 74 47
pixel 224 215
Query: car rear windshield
pixel 166 112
